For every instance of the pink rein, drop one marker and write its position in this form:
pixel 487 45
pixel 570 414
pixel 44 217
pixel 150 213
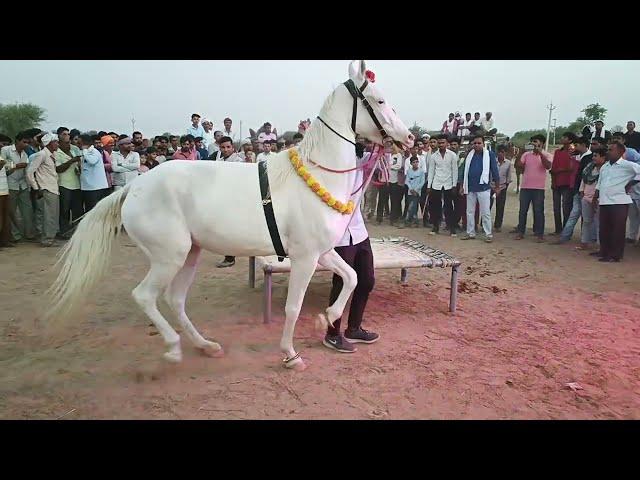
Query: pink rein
pixel 368 165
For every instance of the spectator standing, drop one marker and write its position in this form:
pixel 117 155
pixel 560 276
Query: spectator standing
pixel 68 158
pixel 93 177
pixel 616 176
pixel 43 180
pixel 17 160
pixel 125 164
pixel 534 178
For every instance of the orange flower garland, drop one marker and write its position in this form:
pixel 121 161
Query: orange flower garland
pixel 325 196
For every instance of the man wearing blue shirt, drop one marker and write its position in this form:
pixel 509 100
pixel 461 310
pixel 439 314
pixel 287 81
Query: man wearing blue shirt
pixel 480 169
pixel 93 178
pixel 195 129
pixel 414 182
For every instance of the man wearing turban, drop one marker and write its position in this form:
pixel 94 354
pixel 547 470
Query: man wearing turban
pixel 43 180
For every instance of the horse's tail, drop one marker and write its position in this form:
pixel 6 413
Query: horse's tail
pixel 85 257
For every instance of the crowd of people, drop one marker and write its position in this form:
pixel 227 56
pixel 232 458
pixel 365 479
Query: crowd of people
pixel 451 180
pixel 49 180
pixel 594 179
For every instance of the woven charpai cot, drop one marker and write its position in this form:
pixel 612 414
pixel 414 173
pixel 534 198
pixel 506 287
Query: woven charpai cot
pixel 388 252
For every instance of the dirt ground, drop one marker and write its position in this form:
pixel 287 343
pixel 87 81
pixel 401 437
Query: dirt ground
pixel 532 318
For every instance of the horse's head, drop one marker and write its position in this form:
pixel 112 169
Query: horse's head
pixel 379 109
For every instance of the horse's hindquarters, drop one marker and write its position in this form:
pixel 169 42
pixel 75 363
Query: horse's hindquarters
pixel 214 204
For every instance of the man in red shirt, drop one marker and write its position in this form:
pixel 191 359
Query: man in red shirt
pixel 563 173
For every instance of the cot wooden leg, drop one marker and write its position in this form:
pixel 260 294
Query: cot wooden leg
pixel 252 272
pixel 454 289
pixel 267 296
pixel 404 273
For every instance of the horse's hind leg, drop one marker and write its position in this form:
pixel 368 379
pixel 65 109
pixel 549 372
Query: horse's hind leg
pixel 176 296
pixel 146 294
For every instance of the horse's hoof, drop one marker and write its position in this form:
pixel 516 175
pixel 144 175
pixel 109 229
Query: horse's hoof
pixel 212 349
pixel 297 364
pixel 173 357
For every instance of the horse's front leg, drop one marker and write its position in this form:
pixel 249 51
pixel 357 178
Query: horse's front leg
pixel 337 265
pixel 302 270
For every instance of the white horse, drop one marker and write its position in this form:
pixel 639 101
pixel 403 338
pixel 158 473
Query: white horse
pixel 218 206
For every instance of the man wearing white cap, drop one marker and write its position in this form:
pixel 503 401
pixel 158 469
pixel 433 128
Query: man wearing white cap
pixel 125 164
pixel 246 147
pixel 43 180
pixel 207 137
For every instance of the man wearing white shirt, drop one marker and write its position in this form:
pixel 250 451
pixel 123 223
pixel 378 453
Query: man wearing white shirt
pixel 5 221
pixel 208 137
pixel 466 125
pixel 227 132
pixel 266 154
pixel 442 179
pixel 125 164
pixel 355 249
pixel 476 124
pixel 17 160
pixel 43 179
pixel 396 182
pixel 487 125
pixel 195 128
pixel 616 177
pixel 214 149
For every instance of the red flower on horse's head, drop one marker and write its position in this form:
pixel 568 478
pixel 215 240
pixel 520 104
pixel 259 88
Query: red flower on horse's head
pixel 370 76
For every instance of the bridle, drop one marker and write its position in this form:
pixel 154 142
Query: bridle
pixel 356 94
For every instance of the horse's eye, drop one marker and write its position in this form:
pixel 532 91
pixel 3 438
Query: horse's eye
pixel 380 102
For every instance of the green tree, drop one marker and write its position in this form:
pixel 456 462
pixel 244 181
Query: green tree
pixel 417 130
pixel 521 138
pixel 15 118
pixel 593 112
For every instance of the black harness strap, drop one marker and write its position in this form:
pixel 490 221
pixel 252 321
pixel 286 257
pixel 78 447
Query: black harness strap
pixel 269 216
pixel 329 127
pixel 357 93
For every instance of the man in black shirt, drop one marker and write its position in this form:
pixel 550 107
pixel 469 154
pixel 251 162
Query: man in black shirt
pixel 632 138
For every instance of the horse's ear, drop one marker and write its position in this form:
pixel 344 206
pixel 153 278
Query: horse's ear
pixel 363 68
pixel 356 71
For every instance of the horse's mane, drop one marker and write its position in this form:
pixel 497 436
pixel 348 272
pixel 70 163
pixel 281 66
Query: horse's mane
pixel 281 168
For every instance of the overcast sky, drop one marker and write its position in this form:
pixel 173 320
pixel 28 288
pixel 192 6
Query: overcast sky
pixel 161 95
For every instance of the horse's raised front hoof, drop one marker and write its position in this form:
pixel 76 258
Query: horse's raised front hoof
pixel 296 364
pixel 173 357
pixel 212 349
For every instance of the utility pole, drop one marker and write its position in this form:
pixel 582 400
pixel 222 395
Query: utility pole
pixel 133 124
pixel 551 108
pixel 554 130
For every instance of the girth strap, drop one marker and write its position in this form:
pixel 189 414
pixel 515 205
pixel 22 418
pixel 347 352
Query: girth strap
pixel 269 216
